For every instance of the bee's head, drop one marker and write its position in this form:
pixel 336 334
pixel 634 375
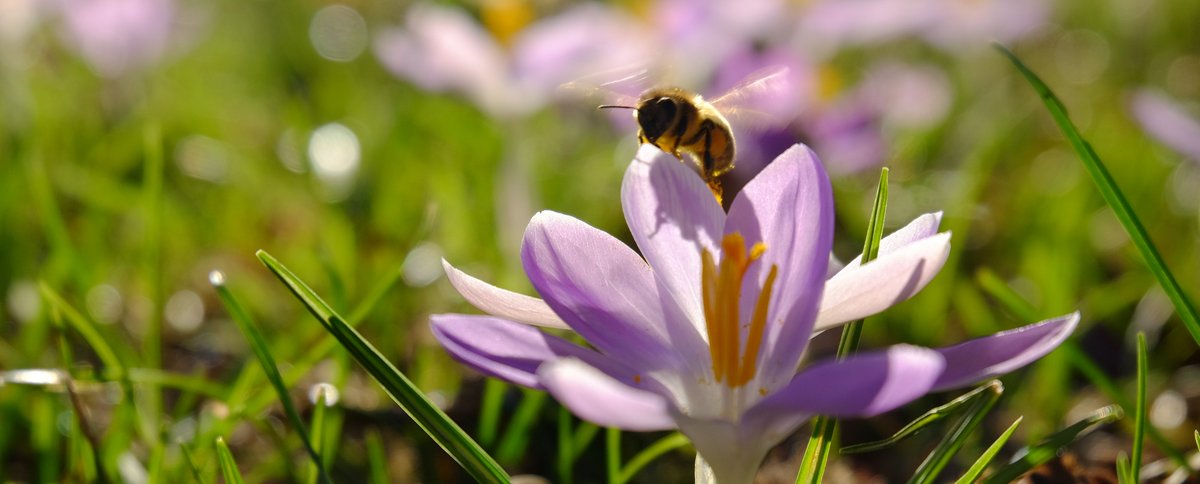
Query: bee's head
pixel 656 116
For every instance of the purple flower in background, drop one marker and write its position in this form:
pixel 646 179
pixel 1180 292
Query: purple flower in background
pixel 949 24
pixel 1167 122
pixel 444 49
pixel 118 36
pixel 706 333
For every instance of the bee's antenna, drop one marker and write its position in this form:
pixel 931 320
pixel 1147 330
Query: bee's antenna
pixel 614 106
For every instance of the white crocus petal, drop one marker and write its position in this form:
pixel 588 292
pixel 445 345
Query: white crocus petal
pixel 921 227
pixel 860 291
pixel 502 302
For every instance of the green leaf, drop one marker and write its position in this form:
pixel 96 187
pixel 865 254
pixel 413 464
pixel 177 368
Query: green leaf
pixel 1114 198
pixel 259 345
pixel 1048 448
pixel 229 469
pixel 428 416
pixel 953 441
pixel 984 459
pixel 816 453
pixel 1139 419
pixel 919 424
pixel 654 451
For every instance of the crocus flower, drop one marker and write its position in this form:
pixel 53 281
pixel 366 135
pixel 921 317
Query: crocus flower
pixel 444 49
pixel 1163 119
pixel 117 36
pixel 705 334
pixel 952 25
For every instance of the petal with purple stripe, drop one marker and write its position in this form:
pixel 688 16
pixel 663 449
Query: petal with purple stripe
pixel 983 358
pixel 788 207
pixel 672 215
pixel 596 397
pixel 510 351
pixel 605 292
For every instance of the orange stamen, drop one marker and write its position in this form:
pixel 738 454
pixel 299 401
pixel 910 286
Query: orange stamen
pixel 721 288
pixel 758 324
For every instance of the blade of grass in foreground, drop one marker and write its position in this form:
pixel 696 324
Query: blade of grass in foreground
pixel 259 344
pixel 654 451
pixel 820 443
pixel 481 466
pixel 229 468
pixel 982 462
pixel 1114 198
pixel 1048 448
pixel 1139 422
pixel 933 465
pixel 914 427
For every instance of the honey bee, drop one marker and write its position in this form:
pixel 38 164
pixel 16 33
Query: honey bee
pixel 682 122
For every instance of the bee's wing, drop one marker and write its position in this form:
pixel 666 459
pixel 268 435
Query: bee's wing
pixel 619 87
pixel 760 101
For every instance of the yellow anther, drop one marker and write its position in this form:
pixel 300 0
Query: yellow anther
pixel 721 290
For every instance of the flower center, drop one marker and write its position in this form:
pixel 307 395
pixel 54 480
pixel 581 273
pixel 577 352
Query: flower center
pixel 722 290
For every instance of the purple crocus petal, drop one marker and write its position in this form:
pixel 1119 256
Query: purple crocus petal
pixel 605 292
pixel 789 208
pixel 502 302
pixel 1166 122
pixel 860 291
pixel 596 397
pixel 672 215
pixel 511 351
pixel 859 386
pixel 986 357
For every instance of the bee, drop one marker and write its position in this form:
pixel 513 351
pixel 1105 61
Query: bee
pixel 681 122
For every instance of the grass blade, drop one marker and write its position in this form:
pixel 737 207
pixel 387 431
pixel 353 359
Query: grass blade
pixel 318 434
pixel 1114 198
pixel 1048 448
pixel 259 345
pixel 376 459
pixel 229 469
pixel 654 451
pixel 1123 471
pixel 428 416
pixel 933 465
pixel 612 454
pixel 516 435
pixel 1139 419
pixel 917 425
pixel 984 459
pixel 816 453
pixel 190 461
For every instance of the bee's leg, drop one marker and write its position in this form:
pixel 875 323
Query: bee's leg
pixel 681 126
pixel 709 162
